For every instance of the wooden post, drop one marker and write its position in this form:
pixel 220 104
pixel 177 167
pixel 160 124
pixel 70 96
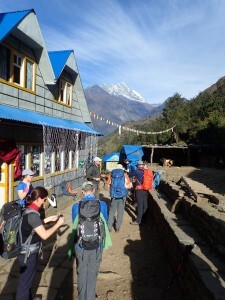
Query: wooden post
pixel 152 152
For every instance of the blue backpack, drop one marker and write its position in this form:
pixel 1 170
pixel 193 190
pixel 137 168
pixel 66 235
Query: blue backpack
pixel 156 180
pixel 118 189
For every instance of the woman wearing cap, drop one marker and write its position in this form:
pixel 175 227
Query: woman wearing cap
pixel 25 187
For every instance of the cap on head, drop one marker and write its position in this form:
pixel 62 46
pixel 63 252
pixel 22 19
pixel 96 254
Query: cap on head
pixel 27 172
pixel 97 158
pixel 87 184
pixel 140 162
pixel 119 166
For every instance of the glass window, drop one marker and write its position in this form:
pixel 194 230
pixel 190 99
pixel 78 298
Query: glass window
pixel 47 163
pixel 65 92
pixel 62 89
pixel 29 75
pixel 36 151
pixel 17 67
pixel 24 150
pixel 5 55
pixel 57 160
pixel 75 157
pixel 68 94
pixel 66 159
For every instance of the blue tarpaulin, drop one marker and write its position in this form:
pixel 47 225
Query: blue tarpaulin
pixel 22 115
pixel 132 152
pixel 114 156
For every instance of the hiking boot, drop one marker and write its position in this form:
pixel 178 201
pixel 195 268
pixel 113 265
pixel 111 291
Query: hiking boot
pixel 117 230
pixel 134 223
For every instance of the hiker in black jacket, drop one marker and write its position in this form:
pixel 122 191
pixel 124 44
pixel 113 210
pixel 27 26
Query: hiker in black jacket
pixel 94 175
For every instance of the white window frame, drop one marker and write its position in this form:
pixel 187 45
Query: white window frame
pixel 28 61
pixel 22 66
pixel 65 91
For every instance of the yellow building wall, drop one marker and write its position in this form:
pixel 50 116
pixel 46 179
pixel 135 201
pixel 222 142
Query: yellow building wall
pixel 110 165
pixel 3 184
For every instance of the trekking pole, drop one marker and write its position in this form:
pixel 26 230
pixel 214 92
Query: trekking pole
pixel 186 252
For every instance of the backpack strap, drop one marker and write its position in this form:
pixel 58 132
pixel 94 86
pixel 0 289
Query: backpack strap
pixel 27 243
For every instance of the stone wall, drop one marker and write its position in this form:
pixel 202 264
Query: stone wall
pixel 206 218
pixel 201 274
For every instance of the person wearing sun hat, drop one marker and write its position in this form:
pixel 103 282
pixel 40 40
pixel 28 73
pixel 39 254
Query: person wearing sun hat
pixel 87 260
pixel 94 175
pixel 25 187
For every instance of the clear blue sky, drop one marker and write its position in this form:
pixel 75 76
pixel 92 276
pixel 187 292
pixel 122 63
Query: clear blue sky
pixel 157 47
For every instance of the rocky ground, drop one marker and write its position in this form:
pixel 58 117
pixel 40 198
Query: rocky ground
pixel 135 267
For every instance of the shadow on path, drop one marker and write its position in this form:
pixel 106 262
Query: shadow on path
pixel 149 267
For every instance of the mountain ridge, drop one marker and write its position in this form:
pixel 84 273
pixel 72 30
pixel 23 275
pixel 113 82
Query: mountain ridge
pixel 118 109
pixel 121 89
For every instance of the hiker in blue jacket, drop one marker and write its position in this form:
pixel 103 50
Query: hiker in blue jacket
pixel 25 187
pixel 118 183
pixel 88 261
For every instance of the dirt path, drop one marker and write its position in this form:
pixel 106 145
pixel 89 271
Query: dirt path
pixel 135 267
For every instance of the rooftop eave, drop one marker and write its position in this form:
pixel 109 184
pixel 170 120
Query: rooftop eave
pixel 28 32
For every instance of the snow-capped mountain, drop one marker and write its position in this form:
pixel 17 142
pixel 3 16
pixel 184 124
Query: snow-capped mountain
pixel 121 89
pixel 118 109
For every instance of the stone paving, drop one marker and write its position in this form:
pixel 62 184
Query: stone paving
pixel 53 265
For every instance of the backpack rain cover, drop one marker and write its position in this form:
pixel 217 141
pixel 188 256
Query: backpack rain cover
pixel 118 189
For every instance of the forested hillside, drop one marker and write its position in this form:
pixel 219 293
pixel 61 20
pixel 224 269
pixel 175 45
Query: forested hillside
pixel 200 120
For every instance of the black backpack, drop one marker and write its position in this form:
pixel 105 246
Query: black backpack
pixel 11 219
pixel 90 230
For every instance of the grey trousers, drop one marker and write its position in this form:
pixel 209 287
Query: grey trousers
pixel 88 262
pixel 116 204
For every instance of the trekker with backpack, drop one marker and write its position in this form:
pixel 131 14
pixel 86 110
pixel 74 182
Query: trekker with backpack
pixel 32 227
pixel 118 183
pixel 89 236
pixel 144 180
pixel 93 174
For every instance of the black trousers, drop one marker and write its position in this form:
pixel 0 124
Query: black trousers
pixel 142 204
pixel 27 272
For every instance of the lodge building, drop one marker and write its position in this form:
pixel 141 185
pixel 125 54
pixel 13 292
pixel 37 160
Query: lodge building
pixel 45 123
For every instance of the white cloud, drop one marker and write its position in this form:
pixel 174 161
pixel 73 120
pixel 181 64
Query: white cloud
pixel 156 47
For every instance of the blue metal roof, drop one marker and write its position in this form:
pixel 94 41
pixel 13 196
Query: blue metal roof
pixel 58 60
pixel 22 115
pixel 11 19
pixel 114 156
pixel 133 152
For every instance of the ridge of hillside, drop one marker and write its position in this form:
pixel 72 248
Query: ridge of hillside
pixel 117 109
